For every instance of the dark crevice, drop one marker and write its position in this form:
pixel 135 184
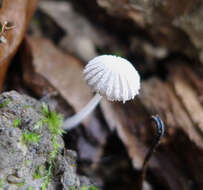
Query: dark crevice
pixel 48 26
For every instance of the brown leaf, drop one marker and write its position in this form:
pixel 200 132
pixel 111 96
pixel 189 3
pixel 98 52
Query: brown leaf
pixel 169 106
pixel 189 99
pixel 62 71
pixel 17 12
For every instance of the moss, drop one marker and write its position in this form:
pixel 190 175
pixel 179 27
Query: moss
pixel 27 106
pixel 38 124
pixel 2 183
pixel 39 172
pixel 53 119
pixel 30 188
pixel 5 102
pixel 47 178
pixel 30 137
pixel 20 184
pixel 17 122
pixel 27 162
pixel 54 122
pixel 92 187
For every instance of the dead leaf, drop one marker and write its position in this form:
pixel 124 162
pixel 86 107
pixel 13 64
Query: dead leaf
pixel 18 12
pixel 169 106
pixel 63 71
pixel 190 100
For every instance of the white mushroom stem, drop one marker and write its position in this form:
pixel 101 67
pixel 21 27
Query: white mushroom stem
pixel 76 119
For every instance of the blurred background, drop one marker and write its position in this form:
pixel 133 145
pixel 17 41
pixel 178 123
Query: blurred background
pixel 47 43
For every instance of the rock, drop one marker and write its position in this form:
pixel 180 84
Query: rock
pixel 25 159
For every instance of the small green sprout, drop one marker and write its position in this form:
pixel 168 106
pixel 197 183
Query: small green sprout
pixel 45 108
pixel 30 137
pixel 16 122
pixel 53 119
pixel 5 102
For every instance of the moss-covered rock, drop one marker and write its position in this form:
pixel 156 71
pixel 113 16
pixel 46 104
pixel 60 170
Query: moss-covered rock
pixel 30 147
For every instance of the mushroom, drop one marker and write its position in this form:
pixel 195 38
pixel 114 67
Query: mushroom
pixel 110 76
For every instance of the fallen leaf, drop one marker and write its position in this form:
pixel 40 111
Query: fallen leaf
pixel 170 107
pixel 62 71
pixel 17 12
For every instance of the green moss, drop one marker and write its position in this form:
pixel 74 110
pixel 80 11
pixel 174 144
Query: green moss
pixel 38 124
pixel 2 182
pixel 54 122
pixel 39 172
pixel 27 106
pixel 20 184
pixel 53 119
pixel 45 109
pixel 30 137
pixel 16 122
pixel 5 102
pixel 47 178
pixel 30 188
pixel 92 187
pixel 27 162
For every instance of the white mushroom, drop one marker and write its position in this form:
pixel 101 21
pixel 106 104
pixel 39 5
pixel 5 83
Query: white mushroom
pixel 110 76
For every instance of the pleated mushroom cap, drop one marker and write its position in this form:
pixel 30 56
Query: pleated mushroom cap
pixel 113 77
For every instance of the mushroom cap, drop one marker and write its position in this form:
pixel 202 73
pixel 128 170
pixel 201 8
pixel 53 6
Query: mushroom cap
pixel 113 77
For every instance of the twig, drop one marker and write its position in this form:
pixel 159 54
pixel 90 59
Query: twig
pixel 4 28
pixel 160 132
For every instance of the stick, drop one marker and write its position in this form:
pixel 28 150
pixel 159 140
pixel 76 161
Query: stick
pixel 160 132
